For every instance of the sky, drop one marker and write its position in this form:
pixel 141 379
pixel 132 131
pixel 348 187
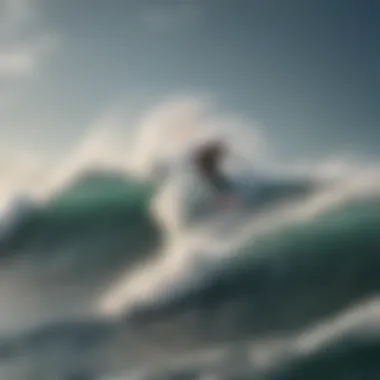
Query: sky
pixel 307 72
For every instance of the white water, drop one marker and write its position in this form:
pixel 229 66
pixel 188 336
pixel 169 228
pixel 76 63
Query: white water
pixel 192 251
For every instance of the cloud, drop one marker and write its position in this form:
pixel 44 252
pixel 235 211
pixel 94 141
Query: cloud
pixel 24 59
pixel 24 44
pixel 24 41
pixel 16 62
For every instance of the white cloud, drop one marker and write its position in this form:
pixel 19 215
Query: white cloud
pixel 23 39
pixel 24 59
pixel 16 63
pixel 24 44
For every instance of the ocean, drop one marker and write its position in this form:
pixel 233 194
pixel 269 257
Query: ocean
pixel 115 277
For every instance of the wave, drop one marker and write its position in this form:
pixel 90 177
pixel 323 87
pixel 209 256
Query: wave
pixel 274 284
pixel 172 286
pixel 293 210
pixel 96 213
pixel 280 285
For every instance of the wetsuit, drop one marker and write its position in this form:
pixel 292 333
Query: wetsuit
pixel 207 161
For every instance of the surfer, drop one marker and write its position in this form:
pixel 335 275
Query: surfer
pixel 208 159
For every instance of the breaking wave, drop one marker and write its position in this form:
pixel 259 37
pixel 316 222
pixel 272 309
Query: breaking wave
pixel 112 274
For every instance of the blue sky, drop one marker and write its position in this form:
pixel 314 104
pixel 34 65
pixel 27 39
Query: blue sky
pixel 306 71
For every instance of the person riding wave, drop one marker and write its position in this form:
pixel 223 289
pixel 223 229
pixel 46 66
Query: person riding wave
pixel 208 160
pixel 206 155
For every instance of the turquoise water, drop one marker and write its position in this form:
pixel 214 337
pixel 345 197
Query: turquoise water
pixel 274 286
